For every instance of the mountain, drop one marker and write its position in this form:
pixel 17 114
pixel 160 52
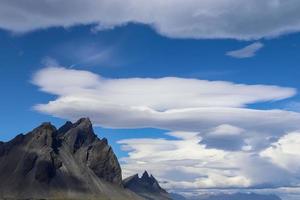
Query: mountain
pixel 71 162
pixel 176 196
pixel 146 186
pixel 66 163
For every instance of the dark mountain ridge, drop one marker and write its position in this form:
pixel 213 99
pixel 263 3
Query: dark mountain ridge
pixel 146 186
pixel 71 162
pixel 66 163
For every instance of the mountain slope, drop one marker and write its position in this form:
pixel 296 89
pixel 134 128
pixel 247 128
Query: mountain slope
pixel 66 163
pixel 146 186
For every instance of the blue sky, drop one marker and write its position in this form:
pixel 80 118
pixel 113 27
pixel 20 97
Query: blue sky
pixel 138 51
pixel 171 91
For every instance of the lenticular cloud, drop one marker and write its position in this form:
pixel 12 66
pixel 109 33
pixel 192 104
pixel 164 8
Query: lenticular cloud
pixel 168 103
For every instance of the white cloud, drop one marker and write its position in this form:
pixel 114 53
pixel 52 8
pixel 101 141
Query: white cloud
pixel 217 137
pixel 188 158
pixel 196 167
pixel 285 152
pixel 246 52
pixel 170 103
pixel 158 94
pixel 227 137
pixel 174 18
pixel 226 129
pixel 184 135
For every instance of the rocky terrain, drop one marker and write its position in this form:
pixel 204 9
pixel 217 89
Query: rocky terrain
pixel 146 186
pixel 66 163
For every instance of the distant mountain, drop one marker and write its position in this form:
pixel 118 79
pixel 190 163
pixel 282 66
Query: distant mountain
pixel 66 163
pixel 235 196
pixel 146 186
pixel 175 196
pixel 242 196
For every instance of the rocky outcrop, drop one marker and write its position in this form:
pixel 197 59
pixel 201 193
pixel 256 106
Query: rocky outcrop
pixel 146 186
pixel 69 162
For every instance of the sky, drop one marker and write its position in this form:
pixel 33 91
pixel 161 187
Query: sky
pixel 202 94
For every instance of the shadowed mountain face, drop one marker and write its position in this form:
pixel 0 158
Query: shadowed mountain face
pixel 69 162
pixel 146 186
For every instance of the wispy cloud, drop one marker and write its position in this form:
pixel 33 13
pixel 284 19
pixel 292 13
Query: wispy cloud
pixel 246 52
pixel 87 53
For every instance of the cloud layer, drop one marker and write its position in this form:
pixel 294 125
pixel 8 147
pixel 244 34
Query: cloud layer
pixel 197 167
pixel 217 137
pixel 173 18
pixel 167 103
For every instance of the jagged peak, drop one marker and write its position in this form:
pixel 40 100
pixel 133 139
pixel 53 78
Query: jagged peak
pixel 104 140
pixel 41 161
pixel 148 178
pixel 145 178
pixel 134 177
pixel 145 175
pixel 84 121
pixel 46 129
pixel 46 125
pixel 77 134
pixel 64 128
pixel 85 125
pixel 147 183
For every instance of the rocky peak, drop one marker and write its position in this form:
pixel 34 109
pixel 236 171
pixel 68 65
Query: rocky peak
pixel 146 186
pixel 79 134
pixel 42 136
pixel 146 181
pixel 41 154
pixel 84 121
pixel 46 126
pixel 65 128
pixel 146 178
pixel 145 175
pixel 84 125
